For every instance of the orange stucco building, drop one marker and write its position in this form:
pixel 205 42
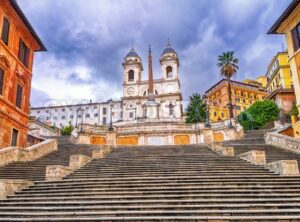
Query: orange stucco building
pixel 243 96
pixel 18 42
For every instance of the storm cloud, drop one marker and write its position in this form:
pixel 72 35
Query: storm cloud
pixel 88 39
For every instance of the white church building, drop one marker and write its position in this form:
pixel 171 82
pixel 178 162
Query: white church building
pixel 160 99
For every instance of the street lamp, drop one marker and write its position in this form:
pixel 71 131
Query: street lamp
pixel 230 107
pixel 110 102
pixel 205 98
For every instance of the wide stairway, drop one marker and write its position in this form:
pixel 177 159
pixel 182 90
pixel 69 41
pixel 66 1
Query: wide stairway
pixel 36 170
pixel 254 140
pixel 178 183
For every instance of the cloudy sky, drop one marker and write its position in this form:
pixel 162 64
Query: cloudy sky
pixel 87 40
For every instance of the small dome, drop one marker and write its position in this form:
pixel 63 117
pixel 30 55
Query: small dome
pixel 132 53
pixel 169 49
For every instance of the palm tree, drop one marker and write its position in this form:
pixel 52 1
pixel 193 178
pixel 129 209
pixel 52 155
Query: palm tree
pixel 228 65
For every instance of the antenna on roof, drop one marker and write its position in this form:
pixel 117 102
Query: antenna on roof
pixel 132 44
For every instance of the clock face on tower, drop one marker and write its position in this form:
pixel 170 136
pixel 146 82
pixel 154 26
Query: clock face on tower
pixel 130 91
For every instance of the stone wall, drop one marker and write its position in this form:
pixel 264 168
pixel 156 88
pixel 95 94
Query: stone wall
pixel 283 141
pixel 13 154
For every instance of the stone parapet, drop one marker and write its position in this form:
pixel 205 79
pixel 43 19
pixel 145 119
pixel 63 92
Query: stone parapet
pixel 257 157
pixel 284 167
pixel 77 161
pixel 283 141
pixel 13 154
pixel 9 187
pixel 57 172
pixel 222 150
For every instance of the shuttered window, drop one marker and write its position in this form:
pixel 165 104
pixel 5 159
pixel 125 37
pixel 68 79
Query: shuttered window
pixel 296 37
pixel 1 81
pixel 23 53
pixel 5 30
pixel 19 96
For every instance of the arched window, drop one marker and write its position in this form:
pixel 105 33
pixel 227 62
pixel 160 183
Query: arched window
pixel 169 70
pixel 131 76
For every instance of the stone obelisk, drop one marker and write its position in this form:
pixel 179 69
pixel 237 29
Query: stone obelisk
pixel 152 107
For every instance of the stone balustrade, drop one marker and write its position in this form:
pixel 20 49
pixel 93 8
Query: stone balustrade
pixel 283 141
pixel 257 157
pixel 8 187
pixel 222 150
pixel 13 154
pixel 284 167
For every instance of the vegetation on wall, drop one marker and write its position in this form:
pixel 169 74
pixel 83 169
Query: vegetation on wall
pixel 294 111
pixel 67 130
pixel 196 109
pixel 259 114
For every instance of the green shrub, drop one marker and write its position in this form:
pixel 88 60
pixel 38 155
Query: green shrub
pixel 259 114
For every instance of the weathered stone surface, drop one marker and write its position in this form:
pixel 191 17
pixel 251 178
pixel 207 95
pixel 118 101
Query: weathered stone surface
pixel 257 157
pixel 12 154
pixel 8 187
pixel 57 172
pixel 284 167
pixel 77 161
pixel 98 154
pixel 283 141
pixel 222 150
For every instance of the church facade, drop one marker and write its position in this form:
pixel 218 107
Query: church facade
pixel 159 99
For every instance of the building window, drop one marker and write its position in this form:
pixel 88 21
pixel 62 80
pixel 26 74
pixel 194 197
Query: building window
pixel 1 81
pixel 169 71
pixel 47 118
pixel 296 37
pixel 222 114
pixel 95 107
pixel 63 110
pixel 14 137
pixel 131 76
pixel 104 120
pixel 96 115
pixel 79 116
pixel 5 30
pixel 63 117
pixel 215 113
pixel 19 96
pixel 55 117
pixel 23 53
pixel 47 111
pixel 71 117
pixel 104 111
pixel 87 115
pixel 131 115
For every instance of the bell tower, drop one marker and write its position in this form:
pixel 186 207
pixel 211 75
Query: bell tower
pixel 132 73
pixel 169 63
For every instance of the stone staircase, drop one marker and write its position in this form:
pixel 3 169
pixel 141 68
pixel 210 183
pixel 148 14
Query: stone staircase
pixel 254 140
pixel 36 170
pixel 166 183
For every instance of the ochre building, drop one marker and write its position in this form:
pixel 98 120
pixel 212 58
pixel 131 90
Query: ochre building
pixel 280 85
pixel 243 96
pixel 289 24
pixel 18 42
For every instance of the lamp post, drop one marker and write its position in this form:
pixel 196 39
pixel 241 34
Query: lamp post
pixel 230 126
pixel 110 102
pixel 205 98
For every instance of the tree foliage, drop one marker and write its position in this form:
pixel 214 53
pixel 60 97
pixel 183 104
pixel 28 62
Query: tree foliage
pixel 228 64
pixel 259 114
pixel 196 109
pixel 67 130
